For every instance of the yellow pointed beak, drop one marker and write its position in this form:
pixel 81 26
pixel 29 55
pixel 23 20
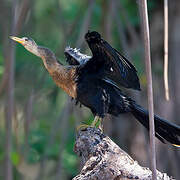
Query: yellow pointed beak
pixel 19 40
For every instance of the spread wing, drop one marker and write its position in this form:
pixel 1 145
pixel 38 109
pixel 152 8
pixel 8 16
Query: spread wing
pixel 115 69
pixel 75 57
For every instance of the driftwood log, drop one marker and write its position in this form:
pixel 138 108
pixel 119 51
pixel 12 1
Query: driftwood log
pixel 104 160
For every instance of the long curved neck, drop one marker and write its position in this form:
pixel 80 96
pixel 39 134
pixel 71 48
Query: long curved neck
pixel 49 58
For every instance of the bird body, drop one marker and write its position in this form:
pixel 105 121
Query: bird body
pixel 96 82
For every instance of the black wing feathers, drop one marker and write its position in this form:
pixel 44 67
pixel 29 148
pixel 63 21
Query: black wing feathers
pixel 116 68
pixel 125 73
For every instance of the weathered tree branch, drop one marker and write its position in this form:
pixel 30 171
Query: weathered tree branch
pixel 104 160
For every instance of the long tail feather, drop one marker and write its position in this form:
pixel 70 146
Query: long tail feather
pixel 165 131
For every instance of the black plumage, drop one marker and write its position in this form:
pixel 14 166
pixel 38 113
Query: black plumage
pixel 98 87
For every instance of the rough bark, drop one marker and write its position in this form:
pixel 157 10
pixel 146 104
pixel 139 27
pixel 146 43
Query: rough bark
pixel 104 160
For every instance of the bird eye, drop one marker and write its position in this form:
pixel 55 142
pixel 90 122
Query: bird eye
pixel 26 39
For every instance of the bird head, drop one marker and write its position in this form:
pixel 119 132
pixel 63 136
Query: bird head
pixel 92 37
pixel 28 43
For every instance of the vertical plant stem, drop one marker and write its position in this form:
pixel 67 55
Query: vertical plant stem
pixel 166 49
pixel 10 101
pixel 143 7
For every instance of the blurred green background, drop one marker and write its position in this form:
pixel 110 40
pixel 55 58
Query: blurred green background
pixel 44 119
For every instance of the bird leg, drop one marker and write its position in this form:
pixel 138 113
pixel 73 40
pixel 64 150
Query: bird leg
pixel 96 120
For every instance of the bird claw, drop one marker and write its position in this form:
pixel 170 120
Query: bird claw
pixel 82 127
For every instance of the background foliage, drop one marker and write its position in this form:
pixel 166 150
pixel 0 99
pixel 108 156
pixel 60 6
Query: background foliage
pixel 44 118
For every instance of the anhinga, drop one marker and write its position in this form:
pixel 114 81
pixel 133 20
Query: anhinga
pixel 95 82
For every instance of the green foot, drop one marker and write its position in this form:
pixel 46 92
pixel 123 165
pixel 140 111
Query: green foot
pixel 82 127
pixel 96 123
